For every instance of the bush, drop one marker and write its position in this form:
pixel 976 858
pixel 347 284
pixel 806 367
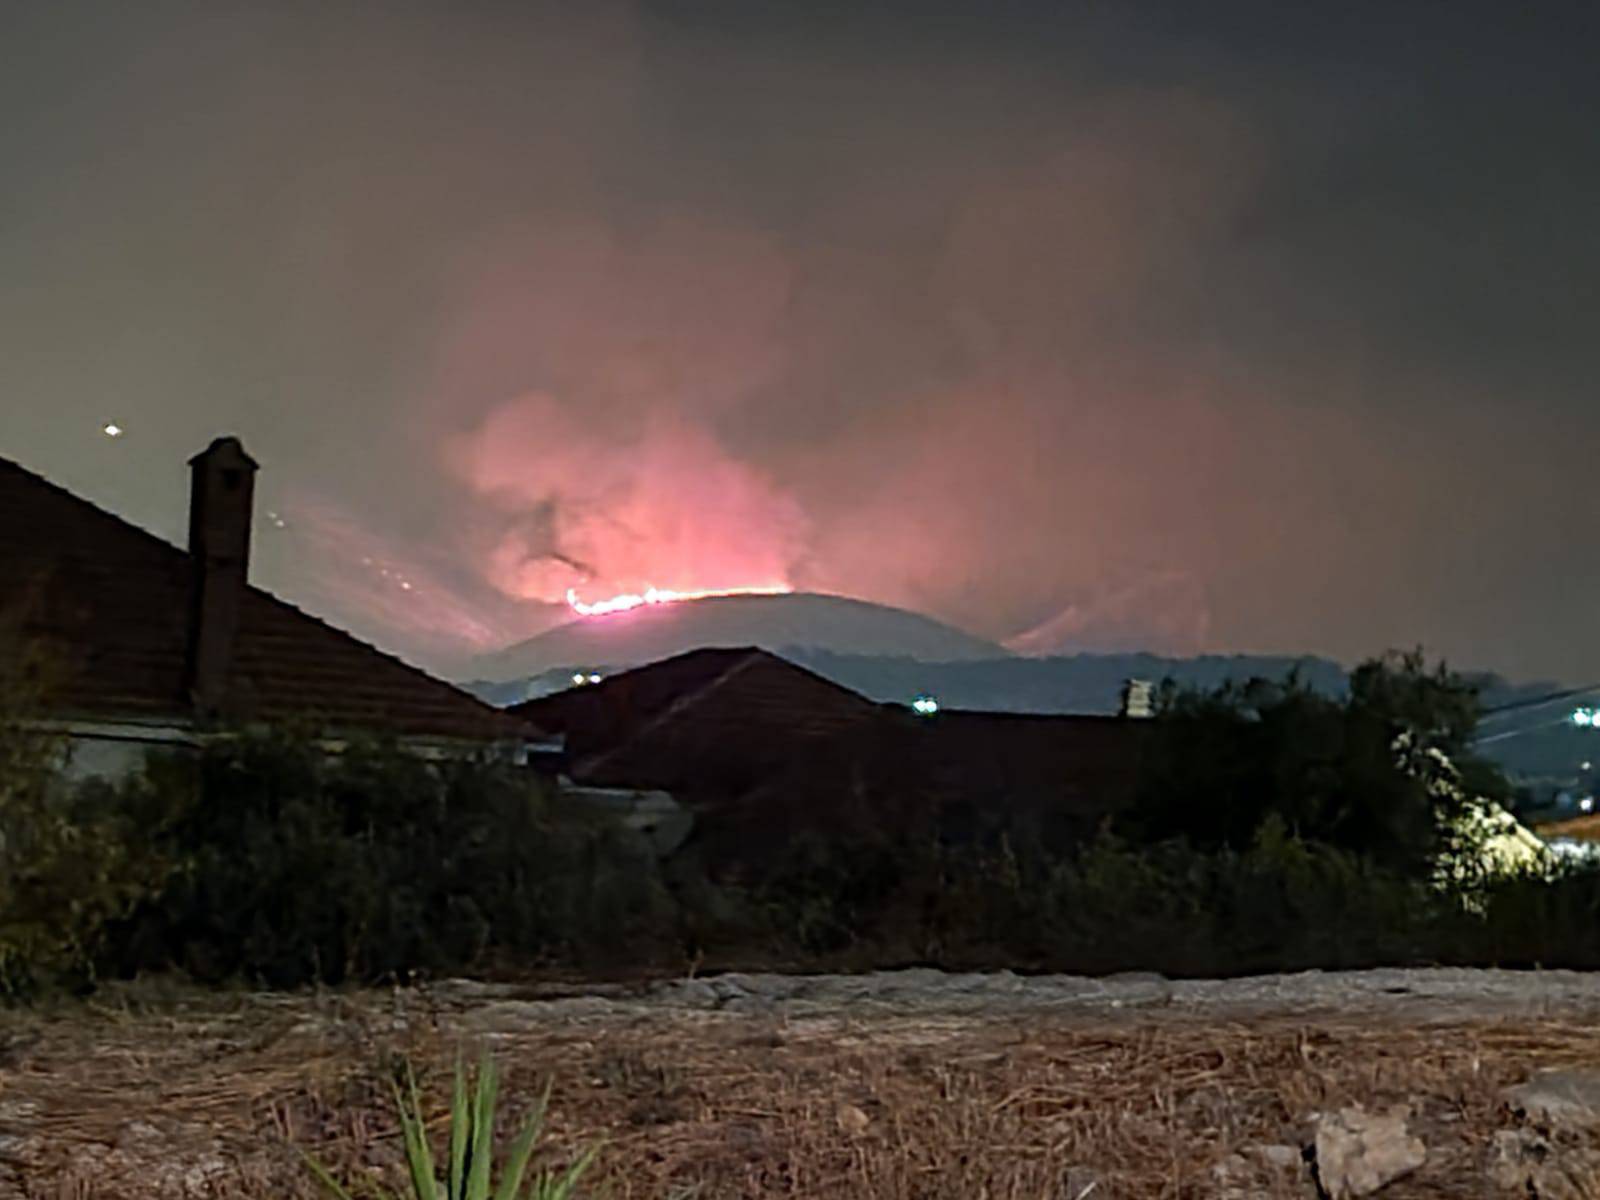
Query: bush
pixel 72 861
pixel 469 1169
pixel 265 859
pixel 295 866
pixel 1382 772
pixel 1281 904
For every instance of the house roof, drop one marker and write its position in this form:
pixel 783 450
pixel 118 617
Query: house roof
pixel 110 604
pixel 780 748
pixel 960 776
pixel 1085 765
pixel 708 720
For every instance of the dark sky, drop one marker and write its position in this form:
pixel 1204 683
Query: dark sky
pixel 1255 327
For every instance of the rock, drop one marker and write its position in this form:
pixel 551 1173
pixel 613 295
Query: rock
pixel 1256 1172
pixel 852 1120
pixel 691 993
pixel 1523 1162
pixel 1568 1098
pixel 1232 1173
pixel 1138 988
pixel 1278 1157
pixel 1358 1152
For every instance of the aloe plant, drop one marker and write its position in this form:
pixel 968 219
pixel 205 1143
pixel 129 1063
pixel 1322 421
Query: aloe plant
pixel 471 1163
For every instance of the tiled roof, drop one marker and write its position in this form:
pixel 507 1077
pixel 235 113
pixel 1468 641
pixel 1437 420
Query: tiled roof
pixel 712 720
pixel 1083 765
pixel 779 748
pixel 110 603
pixel 963 776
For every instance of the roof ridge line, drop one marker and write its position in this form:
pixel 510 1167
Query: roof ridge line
pixel 53 486
pixel 185 557
pixel 746 660
pixel 381 653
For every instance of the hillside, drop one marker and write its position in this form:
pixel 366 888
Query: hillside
pixel 799 622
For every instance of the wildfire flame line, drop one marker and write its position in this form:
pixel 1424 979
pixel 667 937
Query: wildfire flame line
pixel 629 600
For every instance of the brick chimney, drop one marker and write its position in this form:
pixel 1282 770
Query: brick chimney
pixel 221 496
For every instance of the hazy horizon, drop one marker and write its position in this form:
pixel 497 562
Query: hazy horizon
pixel 1211 328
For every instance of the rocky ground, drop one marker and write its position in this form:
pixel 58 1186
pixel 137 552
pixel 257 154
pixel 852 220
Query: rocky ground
pixel 899 1084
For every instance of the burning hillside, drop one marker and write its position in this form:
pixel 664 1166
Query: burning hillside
pixel 645 630
pixel 651 596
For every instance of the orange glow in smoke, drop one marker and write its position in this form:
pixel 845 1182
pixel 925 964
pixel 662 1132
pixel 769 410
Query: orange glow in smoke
pixel 629 600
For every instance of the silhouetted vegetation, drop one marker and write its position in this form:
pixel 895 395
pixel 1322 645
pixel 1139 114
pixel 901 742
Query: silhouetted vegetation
pixel 291 865
pixel 1276 830
pixel 1361 773
pixel 70 862
pixel 1281 904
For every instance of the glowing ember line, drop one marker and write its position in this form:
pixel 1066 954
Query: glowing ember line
pixel 663 596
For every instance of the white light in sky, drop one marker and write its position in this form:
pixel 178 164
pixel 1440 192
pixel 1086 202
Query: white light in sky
pixel 111 429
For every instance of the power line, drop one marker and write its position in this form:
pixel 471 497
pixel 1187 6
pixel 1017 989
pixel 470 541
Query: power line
pixel 1540 701
pixel 1511 733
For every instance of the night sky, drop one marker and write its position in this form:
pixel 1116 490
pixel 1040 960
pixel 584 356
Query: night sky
pixel 1191 327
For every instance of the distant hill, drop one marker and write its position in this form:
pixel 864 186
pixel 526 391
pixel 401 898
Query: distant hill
pixel 1082 683
pixel 892 655
pixel 789 625
pixel 1531 741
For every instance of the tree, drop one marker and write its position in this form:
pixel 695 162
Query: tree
pixel 1362 772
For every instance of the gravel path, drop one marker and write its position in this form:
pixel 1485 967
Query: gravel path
pixel 1412 994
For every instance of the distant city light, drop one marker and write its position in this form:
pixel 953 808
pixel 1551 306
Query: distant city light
pixel 1587 804
pixel 924 706
pixel 111 429
pixel 578 677
pixel 594 679
pixel 1586 718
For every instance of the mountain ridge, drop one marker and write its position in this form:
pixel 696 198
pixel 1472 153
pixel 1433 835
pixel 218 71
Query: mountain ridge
pixel 806 620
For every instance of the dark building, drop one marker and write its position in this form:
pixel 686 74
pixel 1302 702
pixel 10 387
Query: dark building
pixel 710 723
pixel 141 643
pixel 764 751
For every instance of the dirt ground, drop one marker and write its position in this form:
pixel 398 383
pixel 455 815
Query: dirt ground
pixel 905 1084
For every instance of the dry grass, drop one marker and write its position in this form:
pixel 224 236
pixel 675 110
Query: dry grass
pixel 206 1095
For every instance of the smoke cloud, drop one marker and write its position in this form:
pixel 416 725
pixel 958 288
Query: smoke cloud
pixel 1075 330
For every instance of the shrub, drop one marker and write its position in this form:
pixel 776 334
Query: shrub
pixel 71 860
pixel 469 1168
pixel 1381 772
pixel 294 866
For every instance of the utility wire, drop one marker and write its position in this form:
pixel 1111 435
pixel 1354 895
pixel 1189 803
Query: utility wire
pixel 1511 733
pixel 1540 701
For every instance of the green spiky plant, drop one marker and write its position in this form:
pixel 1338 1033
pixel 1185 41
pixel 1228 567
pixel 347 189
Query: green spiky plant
pixel 471 1148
